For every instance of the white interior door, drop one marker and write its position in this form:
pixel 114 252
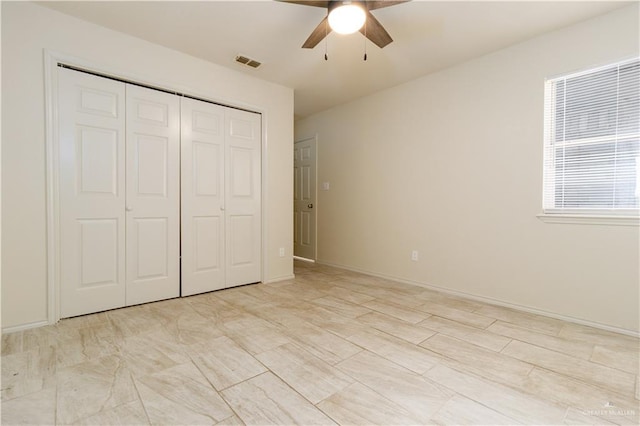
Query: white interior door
pixel 153 195
pixel 91 193
pixel 304 198
pixel 203 236
pixel 243 222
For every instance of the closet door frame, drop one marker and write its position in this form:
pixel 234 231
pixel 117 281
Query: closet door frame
pixel 52 60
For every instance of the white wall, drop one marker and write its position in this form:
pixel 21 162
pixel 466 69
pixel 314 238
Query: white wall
pixel 27 29
pixel 451 165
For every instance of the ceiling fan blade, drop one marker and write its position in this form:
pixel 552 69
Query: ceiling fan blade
pixel 316 3
pixel 318 34
pixel 373 5
pixel 375 32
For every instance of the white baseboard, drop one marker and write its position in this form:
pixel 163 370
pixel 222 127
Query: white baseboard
pixel 278 279
pixel 489 300
pixel 304 259
pixel 23 327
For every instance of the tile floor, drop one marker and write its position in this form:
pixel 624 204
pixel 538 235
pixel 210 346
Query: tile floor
pixel 331 346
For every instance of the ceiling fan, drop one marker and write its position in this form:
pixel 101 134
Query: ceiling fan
pixel 356 14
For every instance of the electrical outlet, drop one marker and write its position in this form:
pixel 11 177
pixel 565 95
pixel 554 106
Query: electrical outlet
pixel 281 251
pixel 414 255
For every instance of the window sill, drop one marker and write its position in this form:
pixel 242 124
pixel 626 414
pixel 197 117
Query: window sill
pixel 581 219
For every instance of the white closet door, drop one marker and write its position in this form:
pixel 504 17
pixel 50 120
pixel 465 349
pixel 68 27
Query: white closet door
pixel 153 195
pixel 91 193
pixel 203 236
pixel 243 197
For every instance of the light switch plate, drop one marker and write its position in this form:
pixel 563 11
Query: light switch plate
pixel 325 186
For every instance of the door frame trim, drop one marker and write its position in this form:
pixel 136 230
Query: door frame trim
pixel 315 202
pixel 51 60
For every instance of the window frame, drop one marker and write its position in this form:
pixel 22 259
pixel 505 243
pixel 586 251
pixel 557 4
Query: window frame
pixel 589 216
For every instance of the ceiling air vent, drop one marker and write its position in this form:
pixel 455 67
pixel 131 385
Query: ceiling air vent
pixel 248 61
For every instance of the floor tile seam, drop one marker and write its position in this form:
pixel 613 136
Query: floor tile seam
pixel 135 380
pixel 500 384
pixel 395 317
pixel 404 369
pixel 635 373
pixel 605 389
pixel 299 346
pixel 393 403
pixel 544 335
pixel 386 357
pixel 531 366
pixel 595 364
pixel 410 412
pixel 55 399
pixel 279 378
pixel 493 409
pixel 219 391
pixel 250 352
pixel 459 322
pixel 517 312
pixel 398 337
pixel 341 299
pixel 351 291
pixel 614 393
pixel 298 339
pixel 110 393
pixel 336 309
pixel 115 407
pixel 463 339
pixel 311 402
pixel 336 312
pixel 518 387
pixel 570 342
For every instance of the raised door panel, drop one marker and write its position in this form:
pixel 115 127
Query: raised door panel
pixel 153 195
pixel 98 248
pixel 206 247
pixel 97 161
pixel 243 197
pixel 151 166
pixel 151 248
pixel 203 190
pixel 91 164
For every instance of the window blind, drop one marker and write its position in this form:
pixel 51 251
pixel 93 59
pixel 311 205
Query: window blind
pixel 592 141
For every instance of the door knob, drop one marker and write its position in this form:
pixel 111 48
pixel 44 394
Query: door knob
pixel 128 208
pixel 309 206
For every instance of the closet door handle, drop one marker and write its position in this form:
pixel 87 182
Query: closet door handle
pixel 129 208
pixel 221 208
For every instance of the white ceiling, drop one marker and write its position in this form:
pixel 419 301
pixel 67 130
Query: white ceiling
pixel 428 36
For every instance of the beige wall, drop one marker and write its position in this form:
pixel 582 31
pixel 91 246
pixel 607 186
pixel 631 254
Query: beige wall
pixel 27 29
pixel 451 165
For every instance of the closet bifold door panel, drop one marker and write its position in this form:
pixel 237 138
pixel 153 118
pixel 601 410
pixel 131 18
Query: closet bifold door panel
pixel 152 195
pixel 119 194
pixel 243 142
pixel 203 249
pixel 91 158
pixel 221 197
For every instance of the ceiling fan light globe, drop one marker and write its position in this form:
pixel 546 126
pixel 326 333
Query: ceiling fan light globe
pixel 347 19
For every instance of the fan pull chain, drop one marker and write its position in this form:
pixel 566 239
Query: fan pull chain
pixel 365 41
pixel 326 42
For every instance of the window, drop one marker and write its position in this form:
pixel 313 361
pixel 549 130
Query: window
pixel 592 142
